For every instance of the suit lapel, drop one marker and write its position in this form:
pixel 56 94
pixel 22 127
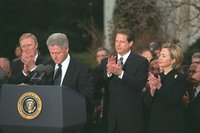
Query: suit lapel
pixel 129 60
pixel 198 96
pixel 39 59
pixel 69 72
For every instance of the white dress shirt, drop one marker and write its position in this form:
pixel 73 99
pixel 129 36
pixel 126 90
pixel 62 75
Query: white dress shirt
pixel 124 60
pixel 65 65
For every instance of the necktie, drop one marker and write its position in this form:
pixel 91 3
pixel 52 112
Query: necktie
pixel 121 60
pixel 58 75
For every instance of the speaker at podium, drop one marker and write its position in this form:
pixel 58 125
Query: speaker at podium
pixel 41 109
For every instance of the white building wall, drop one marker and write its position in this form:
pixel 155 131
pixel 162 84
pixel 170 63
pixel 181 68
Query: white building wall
pixel 194 12
pixel 108 21
pixel 179 23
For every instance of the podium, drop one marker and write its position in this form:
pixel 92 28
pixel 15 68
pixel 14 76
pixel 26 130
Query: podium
pixel 41 109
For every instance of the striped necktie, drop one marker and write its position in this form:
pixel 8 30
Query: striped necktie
pixel 121 60
pixel 58 75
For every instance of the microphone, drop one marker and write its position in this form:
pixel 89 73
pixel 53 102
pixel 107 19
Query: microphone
pixel 47 71
pixel 37 71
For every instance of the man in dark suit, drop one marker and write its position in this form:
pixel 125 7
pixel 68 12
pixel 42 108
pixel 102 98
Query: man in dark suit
pixel 97 124
pixel 74 73
pixel 22 67
pixel 193 108
pixel 124 76
pixel 69 71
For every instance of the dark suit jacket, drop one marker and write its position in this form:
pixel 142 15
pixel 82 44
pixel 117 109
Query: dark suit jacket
pixel 76 78
pixel 193 115
pixel 94 73
pixel 17 76
pixel 166 110
pixel 123 101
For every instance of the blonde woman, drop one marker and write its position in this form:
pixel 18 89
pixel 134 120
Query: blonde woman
pixel 165 93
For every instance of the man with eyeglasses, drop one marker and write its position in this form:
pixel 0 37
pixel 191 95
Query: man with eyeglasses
pixel 193 108
pixel 196 57
pixel 197 76
pixel 29 60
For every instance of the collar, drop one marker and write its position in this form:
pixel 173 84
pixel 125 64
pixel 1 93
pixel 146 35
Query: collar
pixel 197 89
pixel 124 56
pixel 36 56
pixel 64 63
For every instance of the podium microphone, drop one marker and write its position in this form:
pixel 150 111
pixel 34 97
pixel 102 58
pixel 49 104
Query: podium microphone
pixel 47 71
pixel 36 72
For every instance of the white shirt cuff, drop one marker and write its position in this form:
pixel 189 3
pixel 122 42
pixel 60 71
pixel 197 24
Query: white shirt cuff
pixel 121 76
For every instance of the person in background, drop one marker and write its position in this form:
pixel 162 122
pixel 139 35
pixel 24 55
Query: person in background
pixel 155 69
pixel 101 53
pixel 98 124
pixel 155 48
pixel 18 51
pixel 193 108
pixel 196 57
pixel 184 69
pixel 164 97
pixel 124 76
pixel 197 76
pixel 5 66
pixel 147 54
pixel 154 66
pixel 68 71
pixel 29 60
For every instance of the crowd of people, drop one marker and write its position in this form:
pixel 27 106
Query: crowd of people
pixel 127 92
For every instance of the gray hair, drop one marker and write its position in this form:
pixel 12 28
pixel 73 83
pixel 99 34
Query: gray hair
pixel 196 55
pixel 28 35
pixel 58 39
pixel 6 60
pixel 103 49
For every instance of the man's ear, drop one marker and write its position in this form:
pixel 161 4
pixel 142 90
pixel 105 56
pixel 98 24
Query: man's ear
pixel 131 43
pixel 67 50
pixel 36 45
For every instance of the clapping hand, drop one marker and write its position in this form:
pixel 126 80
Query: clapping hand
pixel 154 83
pixel 114 67
pixel 29 61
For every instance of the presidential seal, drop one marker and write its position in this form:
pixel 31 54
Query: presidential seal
pixel 29 105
